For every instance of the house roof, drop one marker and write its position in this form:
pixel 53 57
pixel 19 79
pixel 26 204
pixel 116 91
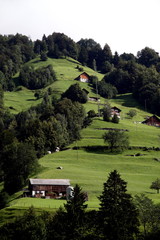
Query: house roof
pixel 152 118
pixel 49 181
pixel 115 108
pixel 84 73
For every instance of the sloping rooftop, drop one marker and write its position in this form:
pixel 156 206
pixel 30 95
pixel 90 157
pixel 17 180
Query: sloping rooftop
pixel 49 182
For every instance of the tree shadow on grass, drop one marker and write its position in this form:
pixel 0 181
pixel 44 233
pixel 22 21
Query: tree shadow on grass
pixel 32 99
pixel 100 150
pixel 127 100
pixel 73 61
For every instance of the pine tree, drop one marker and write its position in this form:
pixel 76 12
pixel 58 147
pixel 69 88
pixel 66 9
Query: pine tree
pixel 118 215
pixel 75 213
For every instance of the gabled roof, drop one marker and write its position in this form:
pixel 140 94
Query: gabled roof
pixel 152 118
pixel 84 73
pixel 49 181
pixel 115 108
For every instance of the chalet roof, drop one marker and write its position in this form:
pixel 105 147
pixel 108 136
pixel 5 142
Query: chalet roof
pixel 115 108
pixel 152 118
pixel 49 182
pixel 84 73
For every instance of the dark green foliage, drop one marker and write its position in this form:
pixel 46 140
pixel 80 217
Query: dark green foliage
pixel 106 90
pixel 91 114
pixel 120 79
pixel 41 128
pixel 43 56
pixel 39 78
pixel 75 212
pixel 56 227
pixel 132 113
pixel 118 215
pixel 60 45
pixel 69 223
pixel 106 112
pixel 47 127
pixel 1 100
pixel 74 115
pixel 15 50
pixel 115 118
pixel 148 214
pixel 148 57
pixel 117 140
pixel 75 93
pixel 156 185
pixel 29 226
pixel 19 161
pixel 87 121
pixel 4 197
pixel 93 55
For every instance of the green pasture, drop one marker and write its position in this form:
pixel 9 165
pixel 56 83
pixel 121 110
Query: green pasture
pixel 20 100
pixel 90 170
pixel 66 71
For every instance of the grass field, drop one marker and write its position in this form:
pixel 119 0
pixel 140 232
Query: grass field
pixel 90 169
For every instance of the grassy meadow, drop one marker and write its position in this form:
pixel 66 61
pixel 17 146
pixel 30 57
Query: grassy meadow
pixel 90 168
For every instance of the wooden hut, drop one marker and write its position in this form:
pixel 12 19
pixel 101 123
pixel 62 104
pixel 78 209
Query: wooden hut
pixel 152 121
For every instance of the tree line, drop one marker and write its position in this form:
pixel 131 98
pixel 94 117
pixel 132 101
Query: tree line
pixel 119 217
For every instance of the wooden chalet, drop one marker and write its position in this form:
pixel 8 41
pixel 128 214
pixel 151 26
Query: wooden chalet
pixel 152 121
pixel 115 110
pixel 48 188
pixel 83 77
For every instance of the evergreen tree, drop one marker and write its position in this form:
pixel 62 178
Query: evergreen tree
pixel 75 213
pixel 115 118
pixel 118 215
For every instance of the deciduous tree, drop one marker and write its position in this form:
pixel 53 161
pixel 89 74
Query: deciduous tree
pixel 156 185
pixel 117 140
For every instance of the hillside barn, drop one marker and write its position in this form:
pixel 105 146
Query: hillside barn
pixel 83 77
pixel 115 110
pixel 152 121
pixel 48 188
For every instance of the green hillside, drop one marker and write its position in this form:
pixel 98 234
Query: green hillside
pixel 90 168
pixel 66 71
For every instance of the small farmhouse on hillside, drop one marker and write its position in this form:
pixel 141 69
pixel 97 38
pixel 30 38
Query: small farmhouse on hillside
pixel 83 77
pixel 152 121
pixel 48 188
pixel 115 110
